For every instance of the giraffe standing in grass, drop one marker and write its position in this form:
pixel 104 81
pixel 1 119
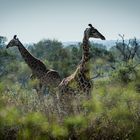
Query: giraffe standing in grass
pixel 47 77
pixel 80 80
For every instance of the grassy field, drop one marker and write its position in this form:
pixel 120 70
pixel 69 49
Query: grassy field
pixel 113 113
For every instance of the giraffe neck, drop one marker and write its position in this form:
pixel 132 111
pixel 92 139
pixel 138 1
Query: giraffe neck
pixel 86 54
pixel 35 64
pixel 84 65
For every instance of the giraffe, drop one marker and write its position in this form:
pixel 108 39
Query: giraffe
pixel 80 80
pixel 47 77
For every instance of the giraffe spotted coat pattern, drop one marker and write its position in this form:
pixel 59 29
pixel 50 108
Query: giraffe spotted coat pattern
pixel 80 80
pixel 47 77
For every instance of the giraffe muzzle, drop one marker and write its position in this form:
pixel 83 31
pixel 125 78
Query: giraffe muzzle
pixel 102 37
pixel 7 46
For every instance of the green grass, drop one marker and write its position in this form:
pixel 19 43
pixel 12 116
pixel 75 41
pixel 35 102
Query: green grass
pixel 112 113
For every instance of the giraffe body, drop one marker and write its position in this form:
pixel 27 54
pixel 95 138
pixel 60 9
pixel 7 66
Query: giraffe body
pixel 46 77
pixel 79 82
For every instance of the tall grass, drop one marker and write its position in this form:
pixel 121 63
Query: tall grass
pixel 112 113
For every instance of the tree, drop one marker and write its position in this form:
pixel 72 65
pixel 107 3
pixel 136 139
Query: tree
pixel 128 50
pixel 47 49
pixel 2 41
pixel 126 53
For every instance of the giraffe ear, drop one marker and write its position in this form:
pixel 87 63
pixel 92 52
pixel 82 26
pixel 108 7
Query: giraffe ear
pixel 15 37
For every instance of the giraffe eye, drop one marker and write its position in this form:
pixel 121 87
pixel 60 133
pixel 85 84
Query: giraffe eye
pixel 93 31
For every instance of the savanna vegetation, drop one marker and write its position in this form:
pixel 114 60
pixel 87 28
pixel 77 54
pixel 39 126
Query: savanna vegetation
pixel 113 112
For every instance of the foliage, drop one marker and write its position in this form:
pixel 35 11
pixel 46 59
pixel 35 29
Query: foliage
pixel 2 41
pixel 112 113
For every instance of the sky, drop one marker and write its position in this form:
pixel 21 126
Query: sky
pixel 66 20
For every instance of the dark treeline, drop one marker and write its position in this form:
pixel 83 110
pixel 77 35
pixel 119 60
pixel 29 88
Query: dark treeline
pixel 65 59
pixel 52 53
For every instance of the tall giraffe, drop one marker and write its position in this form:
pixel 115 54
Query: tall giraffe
pixel 80 80
pixel 47 77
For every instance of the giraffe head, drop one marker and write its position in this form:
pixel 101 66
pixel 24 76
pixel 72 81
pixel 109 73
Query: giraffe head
pixel 13 42
pixel 93 33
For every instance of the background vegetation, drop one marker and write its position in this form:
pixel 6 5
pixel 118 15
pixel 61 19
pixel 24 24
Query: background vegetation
pixel 113 112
